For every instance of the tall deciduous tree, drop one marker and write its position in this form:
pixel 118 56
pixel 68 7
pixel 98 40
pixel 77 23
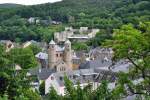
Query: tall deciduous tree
pixel 133 44
pixel 53 94
pixel 15 84
pixel 23 57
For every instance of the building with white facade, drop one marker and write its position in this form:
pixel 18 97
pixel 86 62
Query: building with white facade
pixel 75 34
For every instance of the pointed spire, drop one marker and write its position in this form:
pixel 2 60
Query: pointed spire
pixel 52 42
pixel 67 42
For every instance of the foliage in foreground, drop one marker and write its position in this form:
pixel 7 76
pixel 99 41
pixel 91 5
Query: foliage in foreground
pixel 133 44
pixel 14 84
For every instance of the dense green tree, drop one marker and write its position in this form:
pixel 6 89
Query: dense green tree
pixel 4 82
pixel 99 38
pixel 53 94
pixel 31 95
pixel 35 49
pixel 133 44
pixel 80 46
pixel 4 97
pixel 23 57
pixel 102 92
pixel 42 88
pixel 15 84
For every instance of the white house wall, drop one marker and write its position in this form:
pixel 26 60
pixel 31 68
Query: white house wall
pixel 49 83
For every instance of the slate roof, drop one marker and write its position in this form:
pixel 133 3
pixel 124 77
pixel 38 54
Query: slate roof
pixel 121 65
pixel 100 50
pixel 42 74
pixel 42 55
pixel 82 76
pixel 95 64
pixel 79 54
pixel 59 49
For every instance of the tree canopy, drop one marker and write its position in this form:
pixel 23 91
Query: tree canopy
pixel 133 44
pixel 14 84
pixel 102 14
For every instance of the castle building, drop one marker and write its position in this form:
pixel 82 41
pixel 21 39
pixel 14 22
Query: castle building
pixel 83 34
pixel 60 58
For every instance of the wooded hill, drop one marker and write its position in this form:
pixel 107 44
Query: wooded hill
pixel 103 14
pixel 100 12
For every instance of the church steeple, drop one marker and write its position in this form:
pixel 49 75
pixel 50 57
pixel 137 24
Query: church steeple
pixel 52 54
pixel 68 54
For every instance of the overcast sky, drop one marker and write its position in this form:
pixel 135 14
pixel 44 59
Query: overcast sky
pixel 27 2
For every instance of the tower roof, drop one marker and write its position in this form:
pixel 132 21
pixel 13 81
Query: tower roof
pixel 67 42
pixel 52 42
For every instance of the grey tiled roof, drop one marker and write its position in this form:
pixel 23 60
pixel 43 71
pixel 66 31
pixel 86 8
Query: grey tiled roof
pixel 122 66
pixel 82 76
pixel 42 55
pixel 42 74
pixel 100 50
pixel 95 64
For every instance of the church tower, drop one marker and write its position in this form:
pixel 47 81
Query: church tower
pixel 68 54
pixel 52 55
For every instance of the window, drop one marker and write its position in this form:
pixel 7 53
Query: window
pixel 61 78
pixel 52 78
pixel 70 76
pixel 94 76
pixel 55 68
pixel 74 77
pixel 83 76
pixel 60 69
pixel 52 46
pixel 9 45
pixel 56 55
